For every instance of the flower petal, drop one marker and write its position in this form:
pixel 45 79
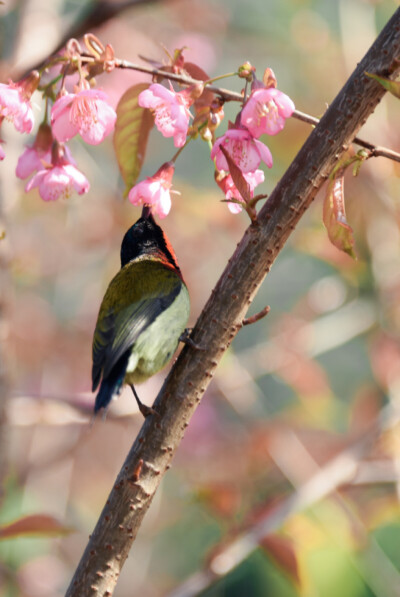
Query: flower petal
pixel 264 153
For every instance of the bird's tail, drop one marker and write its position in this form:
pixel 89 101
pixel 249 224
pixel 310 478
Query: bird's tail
pixel 105 394
pixel 112 384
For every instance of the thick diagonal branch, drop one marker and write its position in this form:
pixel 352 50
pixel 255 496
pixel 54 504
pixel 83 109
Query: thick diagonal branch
pixel 222 317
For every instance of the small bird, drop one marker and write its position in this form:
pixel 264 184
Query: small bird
pixel 142 316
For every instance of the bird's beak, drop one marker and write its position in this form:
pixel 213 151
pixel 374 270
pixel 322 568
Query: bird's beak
pixel 146 212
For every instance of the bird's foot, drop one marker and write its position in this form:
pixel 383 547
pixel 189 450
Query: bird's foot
pixel 147 410
pixel 144 409
pixel 186 339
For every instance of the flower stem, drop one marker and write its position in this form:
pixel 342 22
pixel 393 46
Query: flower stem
pixel 209 81
pixel 52 62
pixel 46 110
pixel 173 159
pixel 50 84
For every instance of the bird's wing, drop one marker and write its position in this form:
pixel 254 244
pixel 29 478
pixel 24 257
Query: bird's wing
pixel 134 298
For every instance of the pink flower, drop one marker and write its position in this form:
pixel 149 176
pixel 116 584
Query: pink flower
pixel 34 158
pixel 171 111
pixel 60 179
pixel 15 106
pixel 245 151
pixel 231 192
pixel 265 111
pixel 86 112
pixel 155 190
pixel 59 182
pixel 31 160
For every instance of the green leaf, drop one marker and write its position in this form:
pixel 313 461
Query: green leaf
pixel 392 86
pixel 334 215
pixel 34 524
pixel 131 134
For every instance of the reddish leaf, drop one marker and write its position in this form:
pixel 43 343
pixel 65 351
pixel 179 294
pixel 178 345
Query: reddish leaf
pixel 334 215
pixel 222 498
pixel 199 74
pixel 392 86
pixel 131 134
pixel 34 524
pixel 195 71
pixel 237 176
pixel 282 551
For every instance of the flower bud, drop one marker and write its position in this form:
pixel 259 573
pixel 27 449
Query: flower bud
pixel 246 70
pixel 29 84
pixel 44 137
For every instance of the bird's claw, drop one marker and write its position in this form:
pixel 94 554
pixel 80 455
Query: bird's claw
pixel 186 339
pixel 147 410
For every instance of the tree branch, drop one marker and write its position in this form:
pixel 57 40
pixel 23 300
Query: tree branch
pixel 222 317
pixel 257 316
pixel 227 95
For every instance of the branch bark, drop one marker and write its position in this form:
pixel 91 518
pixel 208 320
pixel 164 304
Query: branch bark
pixel 222 318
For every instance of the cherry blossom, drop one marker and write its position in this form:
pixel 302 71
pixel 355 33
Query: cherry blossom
pixel 246 152
pixel 155 190
pixel 265 111
pixel 59 182
pixel 171 111
pixel 15 106
pixel 59 179
pixel 31 160
pixel 86 112
pixel 36 156
pixel 231 192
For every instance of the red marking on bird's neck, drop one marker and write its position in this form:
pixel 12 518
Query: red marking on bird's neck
pixel 168 259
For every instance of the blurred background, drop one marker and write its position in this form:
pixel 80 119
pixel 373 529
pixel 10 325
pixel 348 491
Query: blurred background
pixel 303 394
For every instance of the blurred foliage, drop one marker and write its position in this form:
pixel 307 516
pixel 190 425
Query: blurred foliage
pixel 320 367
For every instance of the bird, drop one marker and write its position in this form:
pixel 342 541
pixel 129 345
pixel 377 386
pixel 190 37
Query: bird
pixel 142 316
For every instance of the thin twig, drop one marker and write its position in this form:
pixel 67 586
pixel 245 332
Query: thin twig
pixel 376 150
pixel 257 316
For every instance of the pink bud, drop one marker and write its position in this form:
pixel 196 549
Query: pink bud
pixel 246 70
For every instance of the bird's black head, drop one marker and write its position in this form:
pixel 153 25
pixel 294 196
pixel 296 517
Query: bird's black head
pixel 145 237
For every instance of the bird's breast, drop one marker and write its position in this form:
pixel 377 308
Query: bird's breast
pixel 158 342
